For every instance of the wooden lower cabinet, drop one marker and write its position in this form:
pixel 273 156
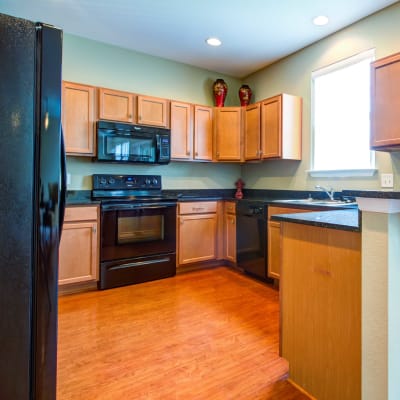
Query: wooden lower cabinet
pixel 197 232
pixel 229 233
pixel 79 246
pixel 320 291
pixel 274 237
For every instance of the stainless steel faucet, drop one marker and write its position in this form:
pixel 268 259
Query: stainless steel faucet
pixel 330 192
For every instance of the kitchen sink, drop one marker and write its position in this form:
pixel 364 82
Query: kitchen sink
pixel 318 202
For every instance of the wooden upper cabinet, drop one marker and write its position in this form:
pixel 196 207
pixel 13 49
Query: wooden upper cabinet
pixel 252 132
pixel 228 133
pixel 203 133
pixel 152 111
pixel 181 131
pixel 116 105
pixel 78 118
pixel 281 125
pixel 385 103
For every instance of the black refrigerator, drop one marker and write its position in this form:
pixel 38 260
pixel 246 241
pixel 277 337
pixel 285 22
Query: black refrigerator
pixel 32 201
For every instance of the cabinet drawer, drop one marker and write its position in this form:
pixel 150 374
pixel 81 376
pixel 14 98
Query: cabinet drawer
pixel 81 213
pixel 198 207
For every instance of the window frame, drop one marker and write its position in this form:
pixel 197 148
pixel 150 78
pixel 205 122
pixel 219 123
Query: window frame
pixel 363 172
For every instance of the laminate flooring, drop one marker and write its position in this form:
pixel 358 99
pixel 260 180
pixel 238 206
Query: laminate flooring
pixel 205 334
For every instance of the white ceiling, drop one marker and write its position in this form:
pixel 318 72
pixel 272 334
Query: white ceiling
pixel 254 33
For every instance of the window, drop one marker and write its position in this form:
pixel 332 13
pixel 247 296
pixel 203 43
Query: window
pixel 340 118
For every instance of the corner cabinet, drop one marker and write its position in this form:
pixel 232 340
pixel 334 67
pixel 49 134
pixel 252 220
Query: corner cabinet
pixel 252 132
pixel 281 127
pixel 197 232
pixel 79 246
pixel 152 111
pixel 78 118
pixel 385 103
pixel 116 105
pixel 228 133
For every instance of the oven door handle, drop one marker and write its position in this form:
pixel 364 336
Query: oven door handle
pixel 139 263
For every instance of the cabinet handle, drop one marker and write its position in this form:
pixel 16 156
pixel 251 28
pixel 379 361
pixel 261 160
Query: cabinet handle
pixel 233 221
pixel 94 230
pixel 197 208
pixel 130 116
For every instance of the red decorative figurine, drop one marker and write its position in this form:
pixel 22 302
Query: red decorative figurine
pixel 239 186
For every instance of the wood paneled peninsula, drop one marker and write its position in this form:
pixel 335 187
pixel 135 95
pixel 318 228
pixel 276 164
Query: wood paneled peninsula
pixel 338 285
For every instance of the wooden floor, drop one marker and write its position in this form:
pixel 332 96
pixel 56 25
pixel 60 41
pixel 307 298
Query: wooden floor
pixel 209 334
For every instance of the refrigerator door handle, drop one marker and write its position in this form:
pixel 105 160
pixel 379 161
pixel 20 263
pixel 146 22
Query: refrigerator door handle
pixel 63 188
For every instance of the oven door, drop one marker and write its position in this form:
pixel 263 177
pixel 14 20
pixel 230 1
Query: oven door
pixel 142 231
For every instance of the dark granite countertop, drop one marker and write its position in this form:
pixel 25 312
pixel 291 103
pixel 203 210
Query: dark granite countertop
pixel 380 194
pixel 80 197
pixel 348 220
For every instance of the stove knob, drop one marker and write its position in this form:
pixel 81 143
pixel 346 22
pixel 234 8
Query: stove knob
pixel 147 181
pixel 154 181
pixel 111 181
pixel 103 180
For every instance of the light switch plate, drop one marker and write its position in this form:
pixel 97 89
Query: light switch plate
pixel 387 180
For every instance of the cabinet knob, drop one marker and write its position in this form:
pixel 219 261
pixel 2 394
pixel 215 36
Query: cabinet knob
pixel 196 153
pixel 217 153
pixel 233 221
pixel 188 153
pixel 94 229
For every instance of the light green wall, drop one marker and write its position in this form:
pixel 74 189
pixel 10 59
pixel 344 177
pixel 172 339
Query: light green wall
pixel 293 75
pixel 98 64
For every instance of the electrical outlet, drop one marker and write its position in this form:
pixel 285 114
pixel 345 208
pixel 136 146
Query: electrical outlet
pixel 387 180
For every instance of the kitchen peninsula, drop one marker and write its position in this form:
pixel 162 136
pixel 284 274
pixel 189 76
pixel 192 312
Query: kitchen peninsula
pixel 348 294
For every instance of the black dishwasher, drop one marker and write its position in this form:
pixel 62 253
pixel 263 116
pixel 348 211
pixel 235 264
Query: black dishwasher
pixel 251 237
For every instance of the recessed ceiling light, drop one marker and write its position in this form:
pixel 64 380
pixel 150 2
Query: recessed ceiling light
pixel 320 20
pixel 213 41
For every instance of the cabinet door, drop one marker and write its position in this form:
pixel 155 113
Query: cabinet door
pixel 385 103
pixel 203 133
pixel 252 132
pixel 230 237
pixel 228 133
pixel 181 131
pixel 152 111
pixel 274 238
pixel 274 249
pixel 271 128
pixel 116 105
pixel 78 253
pixel 197 238
pixel 78 118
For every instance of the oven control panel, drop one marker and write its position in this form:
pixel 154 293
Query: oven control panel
pixel 126 182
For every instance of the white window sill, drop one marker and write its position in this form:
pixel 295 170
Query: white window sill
pixel 342 173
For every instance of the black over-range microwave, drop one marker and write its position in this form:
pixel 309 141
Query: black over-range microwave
pixel 127 143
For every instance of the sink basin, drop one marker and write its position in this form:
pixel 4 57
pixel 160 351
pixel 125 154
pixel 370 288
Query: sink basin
pixel 316 202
